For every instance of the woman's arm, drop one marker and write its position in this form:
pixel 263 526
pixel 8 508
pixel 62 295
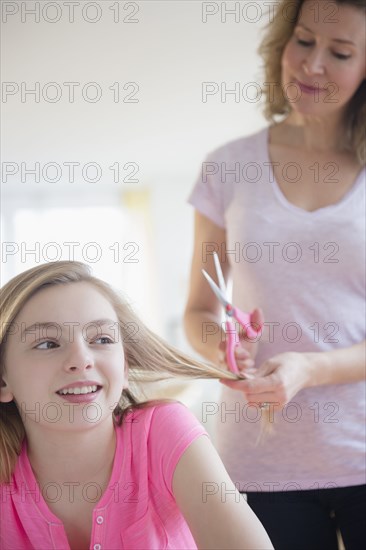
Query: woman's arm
pixel 202 318
pixel 217 515
pixel 339 366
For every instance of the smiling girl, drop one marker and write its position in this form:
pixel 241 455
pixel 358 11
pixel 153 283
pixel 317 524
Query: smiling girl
pixel 83 463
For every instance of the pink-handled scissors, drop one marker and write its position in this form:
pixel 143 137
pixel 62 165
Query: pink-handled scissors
pixel 231 312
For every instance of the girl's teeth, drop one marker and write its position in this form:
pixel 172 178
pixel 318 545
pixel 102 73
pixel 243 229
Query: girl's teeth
pixel 77 391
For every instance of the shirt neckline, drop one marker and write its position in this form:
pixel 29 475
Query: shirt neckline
pixel 37 497
pixel 297 209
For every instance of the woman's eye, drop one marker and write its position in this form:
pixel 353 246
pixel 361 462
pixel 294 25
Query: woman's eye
pixel 48 344
pixel 307 44
pixel 341 55
pixel 304 43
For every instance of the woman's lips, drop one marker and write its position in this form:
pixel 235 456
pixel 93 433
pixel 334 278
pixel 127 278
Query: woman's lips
pixel 309 89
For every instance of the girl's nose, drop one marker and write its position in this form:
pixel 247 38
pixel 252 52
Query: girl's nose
pixel 78 357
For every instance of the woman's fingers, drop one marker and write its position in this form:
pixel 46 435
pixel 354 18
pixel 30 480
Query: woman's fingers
pixel 257 398
pixel 255 386
pixel 239 385
pixel 257 318
pixel 243 359
pixel 242 356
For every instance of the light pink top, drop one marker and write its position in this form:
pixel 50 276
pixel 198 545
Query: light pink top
pixel 306 270
pixel 136 511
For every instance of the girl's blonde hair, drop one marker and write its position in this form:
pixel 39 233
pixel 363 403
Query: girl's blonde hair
pixel 279 32
pixel 148 356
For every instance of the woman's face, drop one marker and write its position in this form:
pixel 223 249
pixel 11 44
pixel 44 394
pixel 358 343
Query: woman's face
pixel 64 361
pixel 324 61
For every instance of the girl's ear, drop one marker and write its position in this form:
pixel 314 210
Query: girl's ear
pixel 5 394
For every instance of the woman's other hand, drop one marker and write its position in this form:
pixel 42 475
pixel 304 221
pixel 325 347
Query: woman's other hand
pixel 277 380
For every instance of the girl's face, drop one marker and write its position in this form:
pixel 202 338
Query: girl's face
pixel 324 62
pixel 64 361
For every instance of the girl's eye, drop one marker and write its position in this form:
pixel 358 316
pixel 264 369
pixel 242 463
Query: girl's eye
pixel 104 340
pixel 47 344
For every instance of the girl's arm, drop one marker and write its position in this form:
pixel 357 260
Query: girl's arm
pixel 217 515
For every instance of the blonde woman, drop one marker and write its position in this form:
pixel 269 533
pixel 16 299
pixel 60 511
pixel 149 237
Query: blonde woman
pixel 83 463
pixel 285 210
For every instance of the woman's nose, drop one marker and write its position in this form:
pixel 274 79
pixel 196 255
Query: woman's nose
pixel 314 63
pixel 78 357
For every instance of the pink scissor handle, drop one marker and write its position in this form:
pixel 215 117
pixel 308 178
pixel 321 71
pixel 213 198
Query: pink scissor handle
pixel 245 320
pixel 231 343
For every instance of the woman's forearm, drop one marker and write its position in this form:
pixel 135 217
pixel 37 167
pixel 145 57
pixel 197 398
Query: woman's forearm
pixel 204 332
pixel 340 366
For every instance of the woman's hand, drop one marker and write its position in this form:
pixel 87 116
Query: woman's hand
pixel 247 348
pixel 277 380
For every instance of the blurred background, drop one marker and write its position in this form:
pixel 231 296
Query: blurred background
pixel 108 110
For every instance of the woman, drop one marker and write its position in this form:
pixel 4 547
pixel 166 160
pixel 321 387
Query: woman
pixel 289 225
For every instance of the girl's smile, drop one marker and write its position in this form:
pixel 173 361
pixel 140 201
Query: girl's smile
pixel 80 392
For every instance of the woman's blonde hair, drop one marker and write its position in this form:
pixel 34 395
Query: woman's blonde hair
pixel 279 32
pixel 148 356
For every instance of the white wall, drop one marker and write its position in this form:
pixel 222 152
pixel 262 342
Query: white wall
pixel 169 52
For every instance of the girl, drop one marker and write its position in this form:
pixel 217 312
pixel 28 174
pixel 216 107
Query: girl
pixel 83 463
pixel 290 230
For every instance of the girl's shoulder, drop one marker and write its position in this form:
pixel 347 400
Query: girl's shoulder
pixel 168 412
pixel 141 428
pixel 158 434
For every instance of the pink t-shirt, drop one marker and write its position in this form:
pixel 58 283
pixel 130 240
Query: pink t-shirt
pixel 136 511
pixel 306 270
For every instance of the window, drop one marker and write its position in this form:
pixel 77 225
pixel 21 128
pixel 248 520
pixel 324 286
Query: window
pixel 112 239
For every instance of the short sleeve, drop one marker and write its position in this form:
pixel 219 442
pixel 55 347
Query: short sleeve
pixel 172 430
pixel 206 196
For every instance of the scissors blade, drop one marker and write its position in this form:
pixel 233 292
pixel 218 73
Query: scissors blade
pixel 220 276
pixel 217 291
